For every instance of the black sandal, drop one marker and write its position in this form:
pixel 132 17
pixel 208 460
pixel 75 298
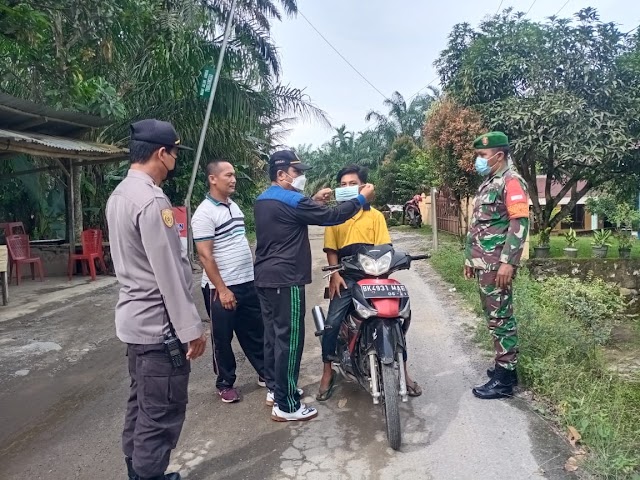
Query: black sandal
pixel 414 389
pixel 326 395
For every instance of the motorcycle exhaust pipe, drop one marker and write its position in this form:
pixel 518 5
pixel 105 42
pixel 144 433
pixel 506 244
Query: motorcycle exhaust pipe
pixel 318 319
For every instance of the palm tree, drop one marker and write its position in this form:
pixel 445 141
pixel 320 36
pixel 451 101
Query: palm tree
pixel 403 119
pixel 145 60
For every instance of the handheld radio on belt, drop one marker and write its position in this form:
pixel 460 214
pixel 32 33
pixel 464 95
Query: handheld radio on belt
pixel 172 344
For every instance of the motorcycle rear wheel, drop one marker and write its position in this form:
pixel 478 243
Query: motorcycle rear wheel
pixel 391 405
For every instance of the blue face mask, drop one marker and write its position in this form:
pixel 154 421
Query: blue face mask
pixel 346 193
pixel 482 165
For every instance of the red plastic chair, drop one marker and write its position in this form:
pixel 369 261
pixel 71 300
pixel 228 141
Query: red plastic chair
pixel 20 251
pixel 91 251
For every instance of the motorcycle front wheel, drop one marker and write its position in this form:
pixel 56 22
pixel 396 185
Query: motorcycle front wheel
pixel 391 405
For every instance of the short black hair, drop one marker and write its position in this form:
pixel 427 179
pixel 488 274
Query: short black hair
pixel 273 172
pixel 362 172
pixel 274 169
pixel 141 152
pixel 504 150
pixel 212 166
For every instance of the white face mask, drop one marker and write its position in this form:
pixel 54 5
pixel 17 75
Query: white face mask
pixel 298 183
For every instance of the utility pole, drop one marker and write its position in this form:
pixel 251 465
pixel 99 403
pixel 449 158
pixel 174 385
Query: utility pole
pixel 203 133
pixel 434 218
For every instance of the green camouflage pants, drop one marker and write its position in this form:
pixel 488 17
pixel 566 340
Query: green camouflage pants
pixel 497 304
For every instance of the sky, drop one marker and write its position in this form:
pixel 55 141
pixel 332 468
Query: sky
pixel 393 43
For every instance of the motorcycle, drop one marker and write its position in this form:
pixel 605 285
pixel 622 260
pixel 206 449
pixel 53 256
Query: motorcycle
pixel 411 211
pixel 371 342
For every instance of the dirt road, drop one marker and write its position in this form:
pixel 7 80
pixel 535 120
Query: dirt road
pixel 63 387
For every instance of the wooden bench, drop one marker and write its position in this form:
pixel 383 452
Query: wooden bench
pixel 4 277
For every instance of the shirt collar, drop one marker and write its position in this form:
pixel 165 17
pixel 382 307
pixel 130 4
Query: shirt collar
pixel 139 174
pixel 500 172
pixel 217 203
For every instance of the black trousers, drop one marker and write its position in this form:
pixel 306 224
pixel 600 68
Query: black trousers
pixel 283 310
pixel 156 408
pixel 245 321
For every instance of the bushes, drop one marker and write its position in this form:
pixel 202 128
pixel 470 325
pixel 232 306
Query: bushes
pixel 595 304
pixel 392 222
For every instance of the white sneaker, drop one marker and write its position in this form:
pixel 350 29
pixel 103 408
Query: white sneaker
pixel 261 382
pixel 303 414
pixel 271 397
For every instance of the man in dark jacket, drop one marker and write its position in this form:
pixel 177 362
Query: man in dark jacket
pixel 283 268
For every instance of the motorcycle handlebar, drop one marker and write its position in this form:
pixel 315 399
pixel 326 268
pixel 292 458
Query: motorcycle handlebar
pixel 420 257
pixel 330 268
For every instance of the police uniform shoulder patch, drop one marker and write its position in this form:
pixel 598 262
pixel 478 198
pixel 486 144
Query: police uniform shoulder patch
pixel 167 217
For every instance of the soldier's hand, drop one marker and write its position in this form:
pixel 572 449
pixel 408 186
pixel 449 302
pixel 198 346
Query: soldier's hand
pixel 368 192
pixel 468 272
pixel 504 277
pixel 197 347
pixel 323 195
pixel 335 283
pixel 228 299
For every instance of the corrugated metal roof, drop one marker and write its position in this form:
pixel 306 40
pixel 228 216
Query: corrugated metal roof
pixel 46 145
pixel 24 115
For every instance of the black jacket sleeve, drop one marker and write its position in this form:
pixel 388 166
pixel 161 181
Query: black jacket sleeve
pixel 309 212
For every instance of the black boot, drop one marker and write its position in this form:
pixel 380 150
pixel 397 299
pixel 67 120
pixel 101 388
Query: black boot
pixel 492 370
pixel 500 386
pixel 130 471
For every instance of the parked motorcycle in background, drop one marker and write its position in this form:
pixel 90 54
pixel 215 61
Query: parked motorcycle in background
pixel 411 212
pixel 371 342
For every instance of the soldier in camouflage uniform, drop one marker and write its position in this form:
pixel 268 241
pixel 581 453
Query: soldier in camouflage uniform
pixel 496 237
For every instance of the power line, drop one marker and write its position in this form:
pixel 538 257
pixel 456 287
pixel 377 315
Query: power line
pixel 341 56
pixel 426 86
pixel 562 8
pixel 632 30
pixel 499 6
pixel 534 2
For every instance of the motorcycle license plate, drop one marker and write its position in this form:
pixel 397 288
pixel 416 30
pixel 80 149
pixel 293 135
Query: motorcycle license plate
pixel 384 291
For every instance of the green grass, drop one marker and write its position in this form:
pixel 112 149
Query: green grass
pixel 558 243
pixel 561 363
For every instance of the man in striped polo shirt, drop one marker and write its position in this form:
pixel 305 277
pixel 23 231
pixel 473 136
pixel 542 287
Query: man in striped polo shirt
pixel 227 280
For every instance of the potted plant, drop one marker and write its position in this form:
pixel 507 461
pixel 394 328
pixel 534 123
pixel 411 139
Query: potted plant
pixel 625 215
pixel 570 250
pixel 543 248
pixel 600 244
pixel 621 213
pixel 625 242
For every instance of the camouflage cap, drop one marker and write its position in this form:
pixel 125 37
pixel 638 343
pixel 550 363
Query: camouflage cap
pixel 491 140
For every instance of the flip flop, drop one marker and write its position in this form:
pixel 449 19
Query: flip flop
pixel 326 395
pixel 414 389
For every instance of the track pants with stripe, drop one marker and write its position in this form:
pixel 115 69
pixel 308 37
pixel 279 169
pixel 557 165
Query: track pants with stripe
pixel 283 313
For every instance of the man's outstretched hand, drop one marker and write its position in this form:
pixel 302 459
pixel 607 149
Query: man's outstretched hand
pixel 368 192
pixel 323 196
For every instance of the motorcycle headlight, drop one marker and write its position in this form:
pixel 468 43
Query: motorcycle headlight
pixel 363 310
pixel 375 267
